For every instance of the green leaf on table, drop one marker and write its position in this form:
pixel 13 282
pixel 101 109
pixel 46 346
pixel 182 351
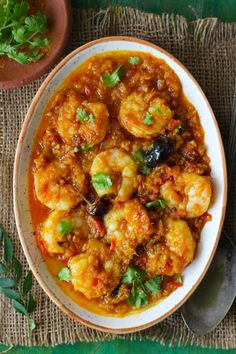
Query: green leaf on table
pixel 3 269
pixel 31 304
pixel 65 227
pixel 28 282
pixel 64 274
pixel 153 285
pixel 19 307
pixel 17 267
pixel 8 248
pixel 111 79
pixel 134 60
pixel 7 282
pixel 101 180
pixel 32 325
pixel 10 293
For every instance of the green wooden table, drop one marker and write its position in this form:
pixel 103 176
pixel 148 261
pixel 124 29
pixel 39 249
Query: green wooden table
pixel 225 10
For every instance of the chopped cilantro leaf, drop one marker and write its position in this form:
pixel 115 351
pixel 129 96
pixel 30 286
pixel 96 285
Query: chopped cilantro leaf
pixel 138 156
pixel 156 203
pixel 85 147
pixel 134 60
pixel 148 119
pixel 135 277
pixel 111 79
pixel 179 279
pixel 101 180
pixel 76 149
pixel 65 227
pixel 64 274
pixel 144 169
pixel 83 116
pixel 153 285
pixel 154 109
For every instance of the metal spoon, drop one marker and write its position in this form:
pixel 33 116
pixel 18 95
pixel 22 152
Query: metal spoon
pixel 213 298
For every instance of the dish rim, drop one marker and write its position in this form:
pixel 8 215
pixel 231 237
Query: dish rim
pixel 25 125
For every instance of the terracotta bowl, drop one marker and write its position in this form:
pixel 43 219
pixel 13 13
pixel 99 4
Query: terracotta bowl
pixel 13 74
pixel 210 235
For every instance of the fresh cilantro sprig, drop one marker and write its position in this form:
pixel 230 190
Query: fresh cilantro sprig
pixel 139 159
pixel 21 35
pixel 111 79
pixel 12 284
pixel 141 286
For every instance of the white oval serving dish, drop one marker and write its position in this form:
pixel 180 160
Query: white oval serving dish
pixel 210 235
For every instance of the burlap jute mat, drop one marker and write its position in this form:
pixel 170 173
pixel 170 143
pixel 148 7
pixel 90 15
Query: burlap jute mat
pixel 208 48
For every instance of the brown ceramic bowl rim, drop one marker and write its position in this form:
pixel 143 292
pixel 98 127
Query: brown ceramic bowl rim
pixel 29 115
pixel 53 58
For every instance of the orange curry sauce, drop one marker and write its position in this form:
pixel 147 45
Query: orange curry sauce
pixel 163 239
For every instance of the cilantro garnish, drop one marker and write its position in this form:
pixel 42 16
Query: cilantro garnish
pixel 179 279
pixel 64 274
pixel 20 34
pixel 141 287
pixel 65 227
pixel 153 285
pixel 138 156
pixel 148 119
pixel 101 180
pixel 139 159
pixel 134 60
pixel 156 203
pixel 155 109
pixel 178 129
pixel 83 116
pixel 111 79
pixel 85 147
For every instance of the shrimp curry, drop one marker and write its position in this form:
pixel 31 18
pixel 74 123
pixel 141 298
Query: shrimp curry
pixel 119 183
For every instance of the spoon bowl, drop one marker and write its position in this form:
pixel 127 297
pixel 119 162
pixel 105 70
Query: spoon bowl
pixel 213 298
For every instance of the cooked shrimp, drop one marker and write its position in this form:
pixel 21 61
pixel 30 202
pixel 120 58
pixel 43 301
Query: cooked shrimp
pixel 59 227
pixel 127 226
pixel 95 272
pixel 188 192
pixel 144 115
pixel 170 257
pixel 81 122
pixel 59 186
pixel 109 165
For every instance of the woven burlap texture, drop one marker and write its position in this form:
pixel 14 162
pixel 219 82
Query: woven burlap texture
pixel 208 49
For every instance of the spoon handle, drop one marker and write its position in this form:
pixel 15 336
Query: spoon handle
pixel 231 153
